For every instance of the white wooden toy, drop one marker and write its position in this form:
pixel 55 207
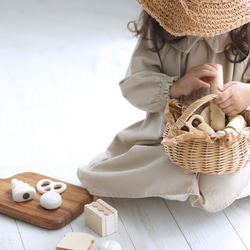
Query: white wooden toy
pixel 101 217
pixel 109 245
pixel 22 191
pixel 51 200
pixel 76 241
pixel 46 185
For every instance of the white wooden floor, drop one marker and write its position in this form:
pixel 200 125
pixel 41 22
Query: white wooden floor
pixel 60 64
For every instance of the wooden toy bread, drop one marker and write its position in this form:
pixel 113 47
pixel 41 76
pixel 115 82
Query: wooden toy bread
pixel 22 191
pixel 237 123
pixel 76 241
pixel 101 217
pixel 217 117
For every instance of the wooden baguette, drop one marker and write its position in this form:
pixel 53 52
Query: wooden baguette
pixel 217 117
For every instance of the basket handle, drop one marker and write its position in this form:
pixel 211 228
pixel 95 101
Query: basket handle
pixel 190 110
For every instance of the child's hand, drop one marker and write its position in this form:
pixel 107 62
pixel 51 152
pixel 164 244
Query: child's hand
pixel 196 78
pixel 235 97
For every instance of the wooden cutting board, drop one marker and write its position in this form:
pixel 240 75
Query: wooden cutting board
pixel 73 200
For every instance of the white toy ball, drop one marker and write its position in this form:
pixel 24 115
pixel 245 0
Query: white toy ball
pixel 51 200
pixel 109 245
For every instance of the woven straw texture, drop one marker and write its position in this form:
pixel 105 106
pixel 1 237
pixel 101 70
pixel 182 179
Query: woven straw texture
pixel 203 157
pixel 198 17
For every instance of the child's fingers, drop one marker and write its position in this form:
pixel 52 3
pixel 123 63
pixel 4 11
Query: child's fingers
pixel 203 71
pixel 215 66
pixel 224 104
pixel 204 84
pixel 225 95
pixel 220 88
pixel 221 98
pixel 207 71
pixel 226 86
pixel 230 110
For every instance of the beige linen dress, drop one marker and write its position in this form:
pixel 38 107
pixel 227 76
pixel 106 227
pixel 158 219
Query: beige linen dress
pixel 135 165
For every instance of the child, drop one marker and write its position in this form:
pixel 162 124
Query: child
pixel 179 44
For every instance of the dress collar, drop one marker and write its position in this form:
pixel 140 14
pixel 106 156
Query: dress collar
pixel 217 43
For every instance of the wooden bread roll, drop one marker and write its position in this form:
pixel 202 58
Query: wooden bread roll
pixel 217 117
pixel 228 130
pixel 237 123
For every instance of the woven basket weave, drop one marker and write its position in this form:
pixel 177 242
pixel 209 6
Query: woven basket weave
pixel 203 157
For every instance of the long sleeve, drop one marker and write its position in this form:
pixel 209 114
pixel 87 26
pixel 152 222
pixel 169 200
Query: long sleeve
pixel 146 86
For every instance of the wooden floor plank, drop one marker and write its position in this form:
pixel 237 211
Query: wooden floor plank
pixel 205 230
pixel 239 215
pixel 10 238
pixel 34 237
pixel 150 224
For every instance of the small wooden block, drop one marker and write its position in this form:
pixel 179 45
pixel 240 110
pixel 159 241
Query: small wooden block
pixel 76 241
pixel 101 217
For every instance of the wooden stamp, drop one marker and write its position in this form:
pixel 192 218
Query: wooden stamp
pixel 101 217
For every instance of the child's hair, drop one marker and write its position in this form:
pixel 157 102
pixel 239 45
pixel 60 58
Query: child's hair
pixel 151 30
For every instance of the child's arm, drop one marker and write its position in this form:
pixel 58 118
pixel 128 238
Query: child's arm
pixel 234 97
pixel 146 86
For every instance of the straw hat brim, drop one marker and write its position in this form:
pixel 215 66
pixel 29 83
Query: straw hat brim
pixel 198 18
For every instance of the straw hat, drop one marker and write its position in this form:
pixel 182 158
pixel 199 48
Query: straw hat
pixel 204 18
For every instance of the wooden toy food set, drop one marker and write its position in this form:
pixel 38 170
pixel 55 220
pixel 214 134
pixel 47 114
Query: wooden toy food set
pixel 64 201
pixel 200 138
pixel 53 204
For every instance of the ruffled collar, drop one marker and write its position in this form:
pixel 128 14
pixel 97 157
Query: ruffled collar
pixel 217 43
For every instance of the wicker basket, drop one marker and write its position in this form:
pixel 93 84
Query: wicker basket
pixel 203 157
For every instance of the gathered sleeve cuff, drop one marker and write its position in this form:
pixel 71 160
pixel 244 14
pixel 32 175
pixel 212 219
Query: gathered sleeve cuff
pixel 145 85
